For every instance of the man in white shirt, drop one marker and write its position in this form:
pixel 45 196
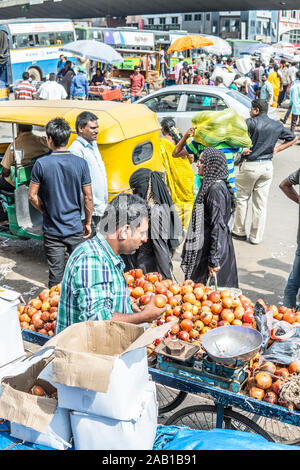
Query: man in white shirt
pixel 51 90
pixel 201 63
pixel 292 73
pixel 85 146
pixel 178 67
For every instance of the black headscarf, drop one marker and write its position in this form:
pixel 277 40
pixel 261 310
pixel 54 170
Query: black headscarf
pixel 215 169
pixel 140 182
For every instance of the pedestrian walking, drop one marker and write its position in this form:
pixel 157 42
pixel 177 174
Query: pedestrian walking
pixel 284 67
pixel 165 229
pixel 208 248
pixel 85 146
pixel 57 184
pixel 293 283
pixel 266 91
pixel 275 79
pixel 66 76
pixel 295 102
pixel 79 89
pixel 256 170
pixel 25 90
pixel 137 84
pixel 51 90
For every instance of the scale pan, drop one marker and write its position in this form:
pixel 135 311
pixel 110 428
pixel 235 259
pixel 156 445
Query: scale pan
pixel 228 344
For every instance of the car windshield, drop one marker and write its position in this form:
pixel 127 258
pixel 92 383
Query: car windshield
pixel 240 98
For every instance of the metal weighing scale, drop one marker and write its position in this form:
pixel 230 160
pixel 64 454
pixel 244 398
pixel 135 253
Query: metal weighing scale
pixel 223 362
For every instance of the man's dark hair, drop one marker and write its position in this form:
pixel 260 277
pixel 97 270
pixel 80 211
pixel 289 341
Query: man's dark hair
pixel 137 67
pixel 25 76
pixel 52 77
pixel 24 128
pixel 219 79
pixel 59 130
pixel 261 105
pixel 83 118
pixel 124 209
pixel 229 61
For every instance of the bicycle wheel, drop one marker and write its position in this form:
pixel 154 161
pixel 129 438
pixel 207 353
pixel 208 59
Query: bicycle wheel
pixel 168 398
pixel 204 417
pixel 283 433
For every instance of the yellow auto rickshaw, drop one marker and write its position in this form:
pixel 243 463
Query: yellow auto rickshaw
pixel 128 139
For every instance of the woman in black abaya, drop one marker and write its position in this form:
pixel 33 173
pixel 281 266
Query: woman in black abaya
pixel 165 228
pixel 208 248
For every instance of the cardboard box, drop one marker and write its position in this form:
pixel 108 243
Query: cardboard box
pixel 92 432
pixel 11 343
pixel 17 405
pixel 57 436
pixel 101 367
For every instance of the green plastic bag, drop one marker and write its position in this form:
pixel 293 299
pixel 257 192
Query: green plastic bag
pixel 215 127
pixel 197 184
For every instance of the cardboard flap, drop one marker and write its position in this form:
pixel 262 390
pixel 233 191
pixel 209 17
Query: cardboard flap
pixel 150 335
pixel 31 411
pixel 82 370
pixel 106 337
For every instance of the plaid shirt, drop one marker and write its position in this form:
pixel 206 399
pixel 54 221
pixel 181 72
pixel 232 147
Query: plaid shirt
pixel 93 286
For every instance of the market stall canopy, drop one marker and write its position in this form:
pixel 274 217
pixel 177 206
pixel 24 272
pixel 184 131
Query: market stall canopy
pixel 220 46
pixel 93 50
pixel 194 41
pixel 258 49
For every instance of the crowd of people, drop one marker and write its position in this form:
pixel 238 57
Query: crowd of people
pixel 66 83
pixel 275 81
pixel 144 229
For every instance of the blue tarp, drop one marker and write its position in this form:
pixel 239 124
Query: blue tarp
pixel 184 438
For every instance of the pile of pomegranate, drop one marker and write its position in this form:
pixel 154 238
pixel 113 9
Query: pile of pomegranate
pixel 196 308
pixel 266 382
pixel 40 314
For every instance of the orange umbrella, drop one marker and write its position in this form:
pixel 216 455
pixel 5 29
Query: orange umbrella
pixel 195 41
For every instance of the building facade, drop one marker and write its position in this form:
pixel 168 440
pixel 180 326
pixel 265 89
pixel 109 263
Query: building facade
pixel 289 26
pixel 259 25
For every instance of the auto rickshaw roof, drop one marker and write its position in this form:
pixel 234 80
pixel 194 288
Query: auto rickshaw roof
pixel 117 121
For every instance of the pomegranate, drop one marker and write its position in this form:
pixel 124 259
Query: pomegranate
pixel 271 397
pixel 268 367
pixel 257 393
pixel 294 367
pixel 263 380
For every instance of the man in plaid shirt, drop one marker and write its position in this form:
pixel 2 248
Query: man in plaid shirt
pixel 94 286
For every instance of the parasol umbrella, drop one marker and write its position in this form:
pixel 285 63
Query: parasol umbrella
pixel 93 50
pixel 194 41
pixel 220 46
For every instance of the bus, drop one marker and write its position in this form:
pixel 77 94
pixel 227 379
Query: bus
pixel 238 46
pixel 32 45
pixel 88 32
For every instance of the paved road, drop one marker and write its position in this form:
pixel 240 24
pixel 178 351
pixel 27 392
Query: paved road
pixel 263 269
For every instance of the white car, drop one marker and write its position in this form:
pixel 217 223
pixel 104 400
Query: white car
pixel 182 102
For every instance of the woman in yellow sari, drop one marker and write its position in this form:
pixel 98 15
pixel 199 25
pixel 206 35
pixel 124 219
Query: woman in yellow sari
pixel 180 175
pixel 275 81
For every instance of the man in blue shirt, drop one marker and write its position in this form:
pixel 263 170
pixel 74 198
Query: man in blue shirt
pixel 86 147
pixel 295 101
pixel 57 182
pixel 79 86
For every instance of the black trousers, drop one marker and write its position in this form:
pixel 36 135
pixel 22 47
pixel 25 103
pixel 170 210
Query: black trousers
pixel 7 187
pixel 282 95
pixel 55 249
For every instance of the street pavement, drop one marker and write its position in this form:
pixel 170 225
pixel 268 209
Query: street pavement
pixel 263 269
